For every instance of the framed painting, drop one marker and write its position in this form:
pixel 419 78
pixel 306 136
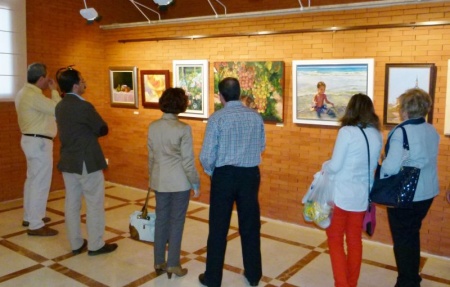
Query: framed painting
pixel 192 76
pixel 402 77
pixel 323 88
pixel 153 84
pixel 262 86
pixel 123 87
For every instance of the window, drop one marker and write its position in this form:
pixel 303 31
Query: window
pixel 13 50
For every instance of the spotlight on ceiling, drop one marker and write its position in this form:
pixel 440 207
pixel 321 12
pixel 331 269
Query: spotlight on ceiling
pixel 163 4
pixel 90 14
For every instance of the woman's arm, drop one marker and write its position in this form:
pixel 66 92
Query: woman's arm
pixel 339 152
pixel 393 161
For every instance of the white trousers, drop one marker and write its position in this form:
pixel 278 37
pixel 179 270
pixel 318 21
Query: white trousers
pixel 92 187
pixel 39 155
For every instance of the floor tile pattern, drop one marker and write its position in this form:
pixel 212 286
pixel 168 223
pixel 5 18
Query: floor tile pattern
pixel 292 255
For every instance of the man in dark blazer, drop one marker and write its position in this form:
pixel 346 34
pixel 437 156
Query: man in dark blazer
pixel 81 163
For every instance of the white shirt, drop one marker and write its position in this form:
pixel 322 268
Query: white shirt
pixel 348 167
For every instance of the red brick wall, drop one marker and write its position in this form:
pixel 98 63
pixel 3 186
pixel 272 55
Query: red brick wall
pixel 294 152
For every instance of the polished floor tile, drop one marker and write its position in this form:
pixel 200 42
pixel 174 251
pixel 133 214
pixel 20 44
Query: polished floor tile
pixel 292 255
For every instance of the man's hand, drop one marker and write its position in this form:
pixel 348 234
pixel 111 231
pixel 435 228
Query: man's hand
pixel 52 84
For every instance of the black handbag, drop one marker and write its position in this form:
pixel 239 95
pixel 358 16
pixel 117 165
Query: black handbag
pixel 396 190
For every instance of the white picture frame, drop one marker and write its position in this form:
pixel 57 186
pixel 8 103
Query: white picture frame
pixel 343 79
pixel 192 76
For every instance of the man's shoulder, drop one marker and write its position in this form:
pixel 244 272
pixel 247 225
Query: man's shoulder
pixel 72 101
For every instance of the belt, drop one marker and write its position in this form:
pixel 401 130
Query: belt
pixel 39 136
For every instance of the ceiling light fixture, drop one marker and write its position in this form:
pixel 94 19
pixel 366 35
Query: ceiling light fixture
pixel 90 14
pixel 148 8
pixel 224 7
pixel 163 4
pixel 301 5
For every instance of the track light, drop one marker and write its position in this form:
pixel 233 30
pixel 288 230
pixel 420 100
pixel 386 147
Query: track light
pixel 163 4
pixel 90 14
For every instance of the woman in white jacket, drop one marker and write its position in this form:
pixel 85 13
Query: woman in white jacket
pixel 348 168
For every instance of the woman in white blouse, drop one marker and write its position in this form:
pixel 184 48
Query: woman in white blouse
pixel 349 170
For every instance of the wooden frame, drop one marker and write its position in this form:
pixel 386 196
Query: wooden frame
pixel 343 79
pixel 261 82
pixel 192 76
pixel 401 77
pixel 153 84
pixel 123 87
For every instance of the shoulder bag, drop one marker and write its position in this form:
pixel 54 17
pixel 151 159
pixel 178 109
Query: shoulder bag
pixel 396 190
pixel 370 219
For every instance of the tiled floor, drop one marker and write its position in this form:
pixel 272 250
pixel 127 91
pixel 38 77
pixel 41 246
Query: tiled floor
pixel 292 255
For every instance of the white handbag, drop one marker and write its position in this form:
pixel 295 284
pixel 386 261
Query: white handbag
pixel 142 224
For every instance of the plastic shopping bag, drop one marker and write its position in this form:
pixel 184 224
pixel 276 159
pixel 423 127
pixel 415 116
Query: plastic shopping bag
pixel 318 201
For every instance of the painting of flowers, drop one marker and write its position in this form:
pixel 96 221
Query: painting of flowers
pixel 262 86
pixel 192 76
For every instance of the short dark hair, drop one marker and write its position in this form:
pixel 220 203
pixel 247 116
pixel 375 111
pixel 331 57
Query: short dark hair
pixel 321 84
pixel 35 71
pixel 360 111
pixel 230 89
pixel 415 102
pixel 67 77
pixel 173 101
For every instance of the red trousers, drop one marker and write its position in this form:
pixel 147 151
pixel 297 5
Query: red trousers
pixel 346 262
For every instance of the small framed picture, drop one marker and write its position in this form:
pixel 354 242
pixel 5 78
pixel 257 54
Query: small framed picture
pixel 123 87
pixel 192 76
pixel 323 88
pixel 402 77
pixel 153 84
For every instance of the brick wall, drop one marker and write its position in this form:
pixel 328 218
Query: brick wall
pixel 294 152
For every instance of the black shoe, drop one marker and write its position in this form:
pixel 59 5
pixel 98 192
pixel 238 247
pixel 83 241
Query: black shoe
pixel 81 249
pixel 201 278
pixel 107 248
pixel 45 219
pixel 252 283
